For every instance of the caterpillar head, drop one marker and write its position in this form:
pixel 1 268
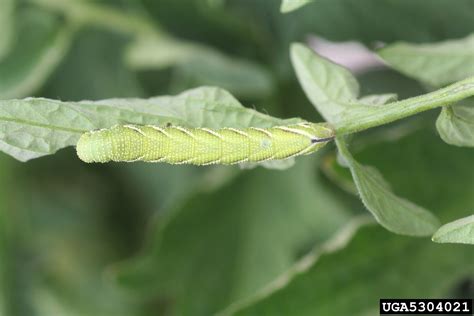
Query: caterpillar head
pixel 317 135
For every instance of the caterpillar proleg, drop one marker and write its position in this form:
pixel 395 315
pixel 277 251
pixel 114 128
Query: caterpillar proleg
pixel 202 146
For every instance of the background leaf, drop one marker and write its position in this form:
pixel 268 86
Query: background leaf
pixel 90 13
pixel 229 252
pixel 375 264
pixel 330 87
pixel 5 235
pixel 455 124
pixel 290 5
pixel 201 65
pixel 354 21
pixel 309 293
pixel 436 64
pixel 333 90
pixel 338 241
pixel 153 48
pixel 392 212
pixel 42 44
pixel 46 274
pixel 459 231
pixel 7 12
pixel 96 49
pixel 32 128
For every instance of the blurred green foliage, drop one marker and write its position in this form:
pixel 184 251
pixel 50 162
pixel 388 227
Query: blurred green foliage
pixel 138 239
pixel 401 267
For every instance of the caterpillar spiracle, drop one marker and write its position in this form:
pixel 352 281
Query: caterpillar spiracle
pixel 202 146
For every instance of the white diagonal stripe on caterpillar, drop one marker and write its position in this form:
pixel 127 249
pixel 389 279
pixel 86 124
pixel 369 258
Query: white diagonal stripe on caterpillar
pixel 295 131
pixel 134 128
pixel 184 130
pixel 159 129
pixel 236 131
pixel 210 131
pixel 264 131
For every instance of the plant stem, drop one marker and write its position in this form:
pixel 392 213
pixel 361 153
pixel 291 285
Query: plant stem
pixel 380 115
pixel 105 16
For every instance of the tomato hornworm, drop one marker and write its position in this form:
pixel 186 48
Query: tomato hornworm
pixel 202 146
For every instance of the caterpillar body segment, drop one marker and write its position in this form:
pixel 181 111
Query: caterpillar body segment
pixel 202 146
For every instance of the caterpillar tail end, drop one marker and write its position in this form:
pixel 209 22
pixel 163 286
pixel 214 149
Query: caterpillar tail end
pixel 83 149
pixel 110 144
pixel 94 146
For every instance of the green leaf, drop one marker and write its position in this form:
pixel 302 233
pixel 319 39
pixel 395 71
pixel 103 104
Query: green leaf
pixel 373 265
pixel 376 263
pixel 337 171
pixel 7 13
pixel 5 247
pixel 201 64
pixel 459 231
pixel 290 5
pixel 36 127
pixel 455 124
pixel 55 221
pixel 96 49
pixel 330 87
pixel 392 212
pixel 356 22
pixel 398 160
pixel 153 48
pixel 162 186
pixel 437 64
pixel 43 42
pixel 158 52
pixel 90 13
pixel 213 252
pixel 14 236
pixel 333 90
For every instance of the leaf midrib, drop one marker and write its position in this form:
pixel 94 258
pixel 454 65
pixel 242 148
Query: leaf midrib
pixel 46 126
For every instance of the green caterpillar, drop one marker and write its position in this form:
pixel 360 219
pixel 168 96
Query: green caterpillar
pixel 202 146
